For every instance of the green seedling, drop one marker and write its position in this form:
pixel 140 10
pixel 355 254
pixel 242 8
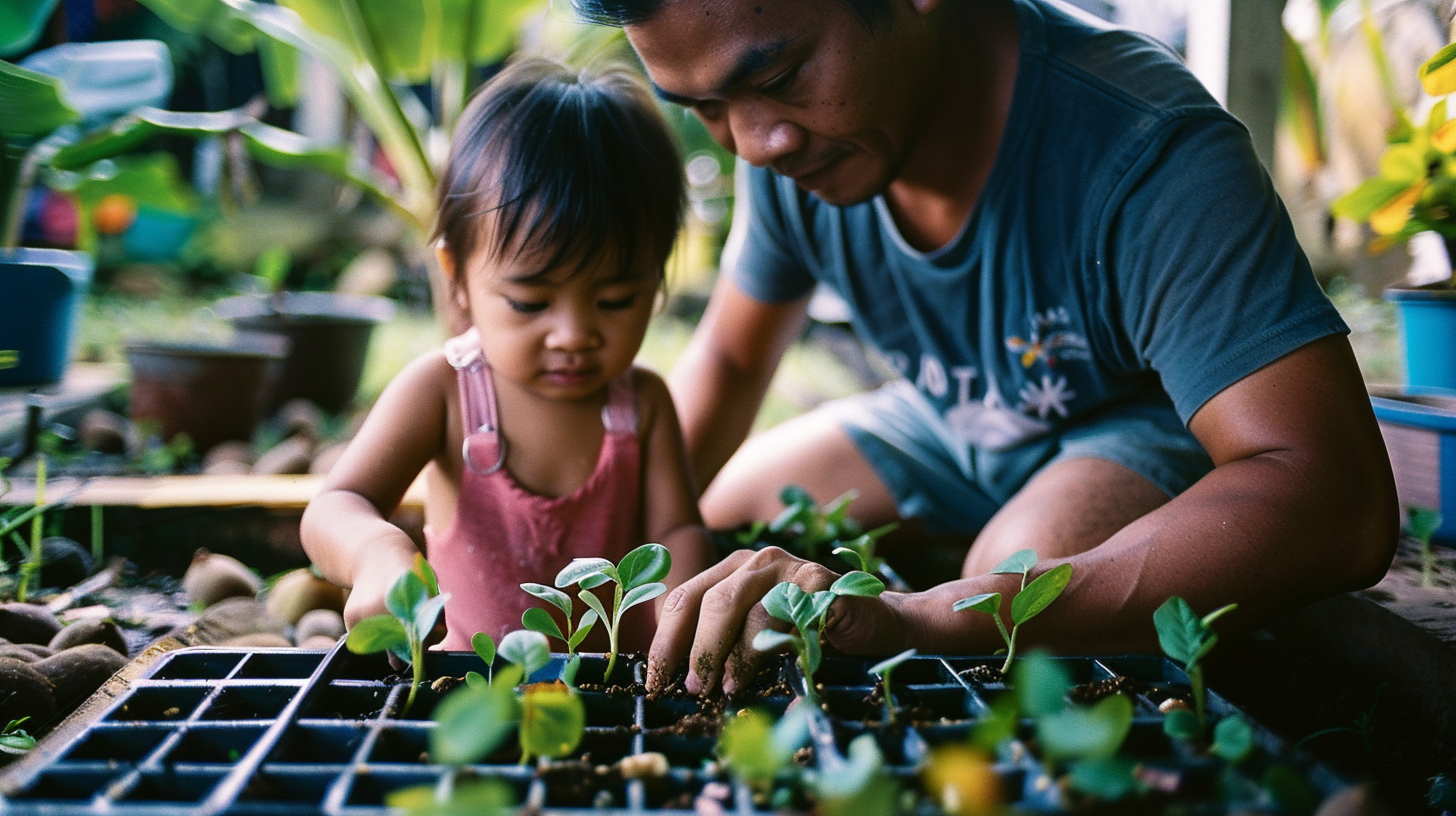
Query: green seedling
pixel 883 669
pixel 807 611
pixel 539 620
pixel 1082 739
pixel 414 604
pixel 30 568
pixel 857 787
pixel 810 527
pixel 637 579
pixel 272 267
pixel 1188 639
pixel 1028 602
pixel 757 751
pixel 1421 525
pixel 473 720
pixel 860 551
pixel 14 739
pixel 484 649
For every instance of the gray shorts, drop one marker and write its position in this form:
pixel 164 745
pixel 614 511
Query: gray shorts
pixel 954 487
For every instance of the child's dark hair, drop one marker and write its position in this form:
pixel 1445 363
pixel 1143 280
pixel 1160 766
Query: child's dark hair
pixel 569 163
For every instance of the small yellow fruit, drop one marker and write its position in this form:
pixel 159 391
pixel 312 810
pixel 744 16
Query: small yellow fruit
pixel 965 781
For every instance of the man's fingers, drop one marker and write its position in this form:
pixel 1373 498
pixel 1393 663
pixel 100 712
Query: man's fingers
pixel 744 659
pixel 679 619
pixel 723 610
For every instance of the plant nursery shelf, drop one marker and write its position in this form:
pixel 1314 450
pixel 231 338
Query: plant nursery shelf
pixel 210 731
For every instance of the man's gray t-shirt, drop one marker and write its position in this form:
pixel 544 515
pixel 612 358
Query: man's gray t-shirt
pixel 1128 246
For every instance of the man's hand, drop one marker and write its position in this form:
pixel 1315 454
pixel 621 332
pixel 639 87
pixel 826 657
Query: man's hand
pixel 711 619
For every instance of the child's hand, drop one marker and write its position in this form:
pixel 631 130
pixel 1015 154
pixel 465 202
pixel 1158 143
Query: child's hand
pixel 372 581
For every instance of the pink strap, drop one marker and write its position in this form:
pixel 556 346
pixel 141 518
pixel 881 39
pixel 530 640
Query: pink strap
pixel 484 448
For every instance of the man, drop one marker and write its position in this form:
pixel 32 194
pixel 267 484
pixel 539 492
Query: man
pixel 1114 352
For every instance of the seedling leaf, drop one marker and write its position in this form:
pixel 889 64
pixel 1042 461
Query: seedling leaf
pixel 891 662
pixel 1105 778
pixel 850 778
pixel 475 679
pixel 484 647
pixel 998 726
pixel 1179 632
pixel 581 568
pixel 426 574
pixel 555 597
pixel 769 640
pixel 405 596
pixel 591 600
pixel 583 628
pixel 427 613
pixel 782 600
pixel 1039 594
pixel 526 649
pixel 552 720
pixel 1232 738
pixel 568 672
pixel 989 602
pixel 637 595
pixel 1180 723
pixel 594 581
pixel 819 604
pixel 539 620
pixel 375 634
pixel 1041 685
pixel 644 565
pixel 1019 562
pixel 860 584
pixel 852 556
pixel 472 721
pixel 1080 732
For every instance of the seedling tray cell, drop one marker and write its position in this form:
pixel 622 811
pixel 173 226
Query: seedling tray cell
pixel 276 732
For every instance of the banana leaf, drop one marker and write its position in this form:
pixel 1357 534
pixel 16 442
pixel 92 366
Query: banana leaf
pixel 31 103
pixel 21 23
pixel 225 25
pixel 1299 105
pixel 268 144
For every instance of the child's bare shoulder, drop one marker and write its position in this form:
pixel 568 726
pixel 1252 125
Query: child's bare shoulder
pixel 653 398
pixel 428 373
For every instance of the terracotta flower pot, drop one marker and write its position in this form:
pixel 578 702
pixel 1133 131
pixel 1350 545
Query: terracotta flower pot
pixel 213 393
pixel 329 341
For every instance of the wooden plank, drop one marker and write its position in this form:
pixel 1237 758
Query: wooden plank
pixel 151 492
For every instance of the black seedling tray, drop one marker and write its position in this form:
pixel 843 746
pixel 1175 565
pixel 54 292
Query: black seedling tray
pixel 277 732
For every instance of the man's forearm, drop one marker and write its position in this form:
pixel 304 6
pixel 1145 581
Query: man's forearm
pixel 1254 532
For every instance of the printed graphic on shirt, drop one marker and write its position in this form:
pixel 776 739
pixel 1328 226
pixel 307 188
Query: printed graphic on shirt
pixel 989 421
pixel 1050 340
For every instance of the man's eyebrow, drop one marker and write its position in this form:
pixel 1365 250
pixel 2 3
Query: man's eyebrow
pixel 749 63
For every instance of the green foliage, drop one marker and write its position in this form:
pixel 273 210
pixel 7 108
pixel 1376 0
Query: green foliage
pixel 1029 601
pixel 30 568
pixel 756 750
pixel 1188 639
pixel 414 604
pixel 14 739
pixel 883 669
pixel 636 580
pixel 539 620
pixel 484 649
pixel 272 267
pixel 472 797
pixel 1421 524
pixel 858 787
pixel 806 530
pixel 473 720
pixel 789 602
pixel 526 650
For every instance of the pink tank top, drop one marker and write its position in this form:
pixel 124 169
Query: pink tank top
pixel 503 535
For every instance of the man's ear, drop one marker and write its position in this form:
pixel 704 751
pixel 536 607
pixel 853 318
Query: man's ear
pixel 450 269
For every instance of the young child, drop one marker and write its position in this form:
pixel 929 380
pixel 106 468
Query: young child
pixel 540 439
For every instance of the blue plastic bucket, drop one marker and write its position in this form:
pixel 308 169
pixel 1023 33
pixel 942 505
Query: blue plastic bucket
pixel 1420 433
pixel 40 294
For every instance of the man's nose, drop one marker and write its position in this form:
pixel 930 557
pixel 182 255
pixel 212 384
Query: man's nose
pixel 760 137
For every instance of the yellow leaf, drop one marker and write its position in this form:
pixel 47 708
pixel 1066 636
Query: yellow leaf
pixel 1438 75
pixel 1444 139
pixel 1393 217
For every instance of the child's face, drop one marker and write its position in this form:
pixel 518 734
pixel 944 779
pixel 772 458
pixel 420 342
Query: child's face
pixel 565 334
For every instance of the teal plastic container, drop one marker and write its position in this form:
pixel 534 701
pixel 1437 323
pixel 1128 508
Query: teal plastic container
pixel 40 296
pixel 1427 318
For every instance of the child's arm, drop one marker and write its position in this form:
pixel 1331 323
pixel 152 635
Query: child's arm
pixel 670 502
pixel 345 529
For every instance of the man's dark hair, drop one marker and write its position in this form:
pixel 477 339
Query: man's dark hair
pixel 568 163
pixel 871 13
